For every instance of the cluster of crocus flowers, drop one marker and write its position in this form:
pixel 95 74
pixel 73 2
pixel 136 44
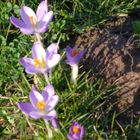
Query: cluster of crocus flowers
pixel 42 60
pixel 32 22
pixel 42 105
pixel 76 131
pixel 73 57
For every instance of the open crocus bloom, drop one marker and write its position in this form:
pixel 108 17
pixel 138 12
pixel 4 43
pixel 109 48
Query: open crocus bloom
pixel 42 105
pixel 32 23
pixel 76 132
pixel 42 60
pixel 73 55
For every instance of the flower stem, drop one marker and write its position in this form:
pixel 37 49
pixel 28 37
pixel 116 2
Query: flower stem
pixel 50 135
pixel 74 74
pixel 50 74
pixel 46 78
pixel 58 41
pixel 38 38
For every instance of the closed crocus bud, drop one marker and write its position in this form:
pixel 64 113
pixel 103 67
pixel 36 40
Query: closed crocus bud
pixel 73 57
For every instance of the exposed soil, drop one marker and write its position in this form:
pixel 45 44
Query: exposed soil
pixel 113 51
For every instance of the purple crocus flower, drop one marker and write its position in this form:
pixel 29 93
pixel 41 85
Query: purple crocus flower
pixel 42 105
pixel 32 23
pixel 42 60
pixel 76 131
pixel 73 55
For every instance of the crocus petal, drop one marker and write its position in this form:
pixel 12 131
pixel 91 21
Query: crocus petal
pixel 33 70
pixel 42 27
pixel 48 92
pixel 52 48
pixel 26 108
pixel 26 13
pixel 18 23
pixel 53 102
pixel 21 25
pixel 50 115
pixel 68 52
pixel 54 122
pixel 75 137
pixel 80 54
pixel 35 96
pixel 55 59
pixel 41 10
pixel 38 52
pixel 70 137
pixel 43 23
pixel 36 115
pixel 74 60
pixel 24 61
pixel 27 31
pixel 28 64
pixel 48 17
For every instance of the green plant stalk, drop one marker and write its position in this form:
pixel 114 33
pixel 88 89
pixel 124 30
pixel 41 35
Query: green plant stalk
pixel 50 135
pixel 50 74
pixel 37 35
pixel 46 78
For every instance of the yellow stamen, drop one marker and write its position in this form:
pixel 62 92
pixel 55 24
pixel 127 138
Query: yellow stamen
pixel 37 62
pixel 33 20
pixel 75 129
pixel 41 105
pixel 74 52
pixel 43 63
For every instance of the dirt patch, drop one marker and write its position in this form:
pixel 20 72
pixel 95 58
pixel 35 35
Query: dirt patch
pixel 113 52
